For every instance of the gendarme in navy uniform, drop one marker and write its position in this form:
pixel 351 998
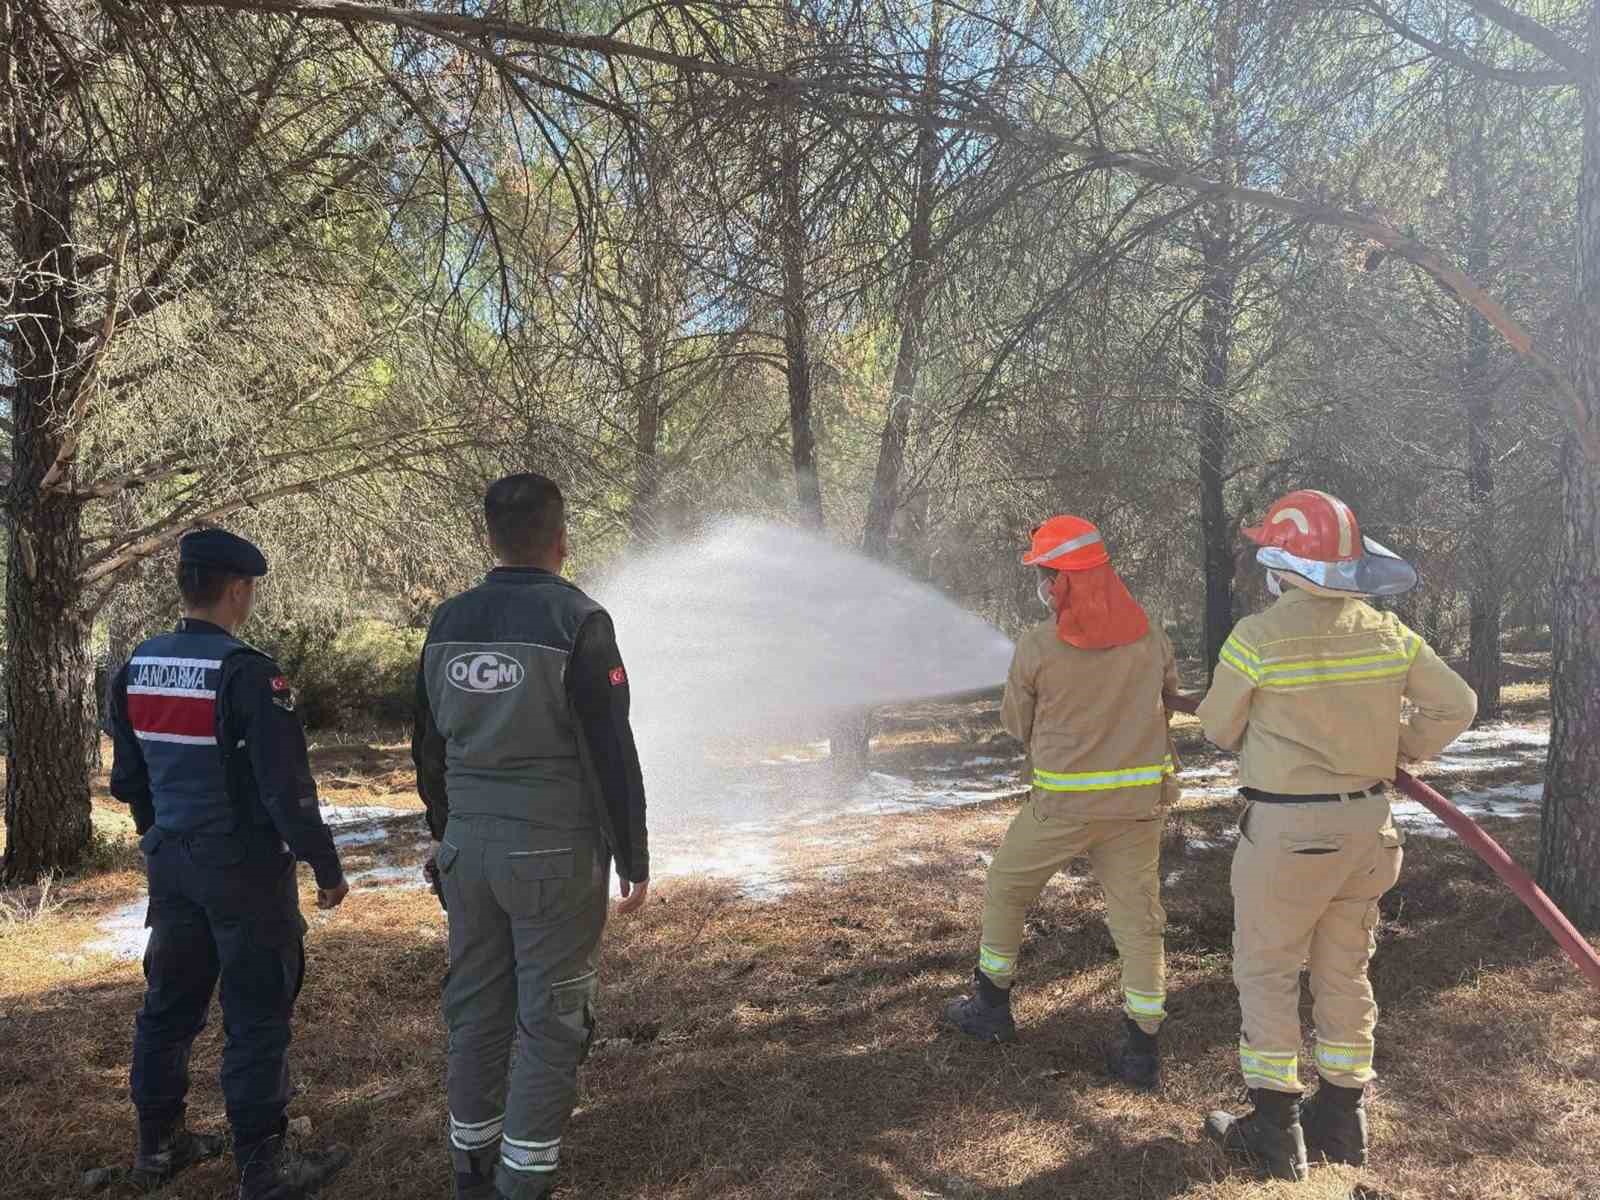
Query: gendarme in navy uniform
pixel 211 759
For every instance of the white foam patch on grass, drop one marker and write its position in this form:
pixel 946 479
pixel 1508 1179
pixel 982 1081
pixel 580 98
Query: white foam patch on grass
pixel 1513 802
pixel 124 933
pixel 390 876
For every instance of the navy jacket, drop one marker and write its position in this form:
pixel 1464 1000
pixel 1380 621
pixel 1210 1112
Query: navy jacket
pixel 208 742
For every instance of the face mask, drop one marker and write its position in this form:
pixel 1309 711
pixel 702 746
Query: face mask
pixel 1274 583
pixel 1045 598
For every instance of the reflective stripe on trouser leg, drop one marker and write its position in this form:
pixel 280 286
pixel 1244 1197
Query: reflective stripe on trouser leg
pixel 1126 859
pixel 1000 968
pixel 1033 850
pixel 473 1136
pixel 1277 1070
pixel 1339 1062
pixel 530 1158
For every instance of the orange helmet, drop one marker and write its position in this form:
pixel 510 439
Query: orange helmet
pixel 1313 538
pixel 1066 543
pixel 1310 525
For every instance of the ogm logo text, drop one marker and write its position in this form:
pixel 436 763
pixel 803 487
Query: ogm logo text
pixel 484 672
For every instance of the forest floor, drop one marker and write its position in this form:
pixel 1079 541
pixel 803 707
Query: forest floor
pixel 768 1024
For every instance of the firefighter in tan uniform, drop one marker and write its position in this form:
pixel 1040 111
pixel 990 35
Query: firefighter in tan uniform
pixel 1084 698
pixel 1309 693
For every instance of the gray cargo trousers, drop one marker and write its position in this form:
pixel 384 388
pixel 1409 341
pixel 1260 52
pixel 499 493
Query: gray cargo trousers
pixel 527 906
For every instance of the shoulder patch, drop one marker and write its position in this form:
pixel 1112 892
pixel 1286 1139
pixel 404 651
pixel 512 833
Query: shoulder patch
pixel 619 677
pixel 280 684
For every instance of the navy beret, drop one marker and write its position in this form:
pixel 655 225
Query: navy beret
pixel 221 550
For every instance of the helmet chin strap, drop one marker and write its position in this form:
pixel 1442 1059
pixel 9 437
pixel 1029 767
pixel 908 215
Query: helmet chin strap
pixel 1045 597
pixel 1274 583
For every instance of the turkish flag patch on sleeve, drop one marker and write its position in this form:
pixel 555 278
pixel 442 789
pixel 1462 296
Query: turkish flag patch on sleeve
pixel 618 677
pixel 280 683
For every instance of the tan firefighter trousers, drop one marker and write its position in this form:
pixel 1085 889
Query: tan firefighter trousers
pixel 1306 883
pixel 1126 859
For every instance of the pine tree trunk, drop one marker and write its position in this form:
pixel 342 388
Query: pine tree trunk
pixel 1486 603
pixel 49 681
pixel 1569 838
pixel 643 516
pixel 1218 241
pixel 885 499
pixel 797 337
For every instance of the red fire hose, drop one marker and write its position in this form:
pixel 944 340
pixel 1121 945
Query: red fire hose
pixel 1485 847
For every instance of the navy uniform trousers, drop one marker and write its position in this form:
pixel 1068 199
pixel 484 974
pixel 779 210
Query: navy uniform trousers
pixel 221 906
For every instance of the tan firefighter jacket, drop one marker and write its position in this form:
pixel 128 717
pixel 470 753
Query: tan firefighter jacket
pixel 1093 723
pixel 1309 693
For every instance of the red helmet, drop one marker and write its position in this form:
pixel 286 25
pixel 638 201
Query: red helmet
pixel 1312 539
pixel 1066 543
pixel 1310 525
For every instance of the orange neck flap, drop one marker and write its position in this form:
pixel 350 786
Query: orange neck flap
pixel 1095 610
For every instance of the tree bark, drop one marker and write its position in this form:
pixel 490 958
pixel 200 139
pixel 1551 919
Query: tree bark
pixel 1218 230
pixel 885 499
pixel 644 517
pixel 1569 836
pixel 1477 385
pixel 49 689
pixel 797 331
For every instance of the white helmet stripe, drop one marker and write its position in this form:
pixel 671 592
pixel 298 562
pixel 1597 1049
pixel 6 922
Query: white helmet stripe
pixel 1295 515
pixel 1347 523
pixel 1067 547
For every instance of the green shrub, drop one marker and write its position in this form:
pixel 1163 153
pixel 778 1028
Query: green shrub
pixel 363 673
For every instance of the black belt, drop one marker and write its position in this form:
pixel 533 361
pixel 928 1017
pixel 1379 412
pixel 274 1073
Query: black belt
pixel 1260 797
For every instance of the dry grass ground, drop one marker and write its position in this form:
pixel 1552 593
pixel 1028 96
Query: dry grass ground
pixel 787 1048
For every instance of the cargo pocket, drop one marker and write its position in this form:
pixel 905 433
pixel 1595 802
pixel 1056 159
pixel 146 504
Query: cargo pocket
pixel 216 851
pixel 544 883
pixel 445 857
pixel 1385 870
pixel 572 1012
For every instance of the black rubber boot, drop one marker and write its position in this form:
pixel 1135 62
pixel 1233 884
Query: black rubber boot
pixel 1270 1136
pixel 270 1171
pixel 167 1149
pixel 1335 1123
pixel 985 1015
pixel 1135 1057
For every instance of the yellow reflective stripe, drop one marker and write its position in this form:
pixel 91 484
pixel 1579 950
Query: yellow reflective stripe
pixel 1290 665
pixel 1149 1006
pixel 1238 664
pixel 1334 676
pixel 1266 1067
pixel 993 964
pixel 1344 1059
pixel 1102 781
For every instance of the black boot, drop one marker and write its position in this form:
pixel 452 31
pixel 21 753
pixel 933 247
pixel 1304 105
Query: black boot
pixel 166 1149
pixel 1335 1122
pixel 1270 1135
pixel 476 1181
pixel 985 1015
pixel 1135 1057
pixel 270 1171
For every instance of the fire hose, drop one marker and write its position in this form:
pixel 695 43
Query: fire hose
pixel 1543 908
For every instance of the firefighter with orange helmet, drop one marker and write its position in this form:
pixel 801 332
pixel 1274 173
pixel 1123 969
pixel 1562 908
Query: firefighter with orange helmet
pixel 1084 698
pixel 1309 692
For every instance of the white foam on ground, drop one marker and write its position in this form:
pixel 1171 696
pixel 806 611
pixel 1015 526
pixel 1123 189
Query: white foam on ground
pixel 389 876
pixel 336 816
pixel 125 934
pixel 1514 802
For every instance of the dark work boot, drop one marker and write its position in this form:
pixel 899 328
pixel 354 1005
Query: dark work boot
pixel 270 1171
pixel 1335 1123
pixel 986 1014
pixel 1270 1136
pixel 1135 1057
pixel 476 1182
pixel 167 1149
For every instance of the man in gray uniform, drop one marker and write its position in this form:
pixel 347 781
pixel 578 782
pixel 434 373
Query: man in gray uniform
pixel 527 766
